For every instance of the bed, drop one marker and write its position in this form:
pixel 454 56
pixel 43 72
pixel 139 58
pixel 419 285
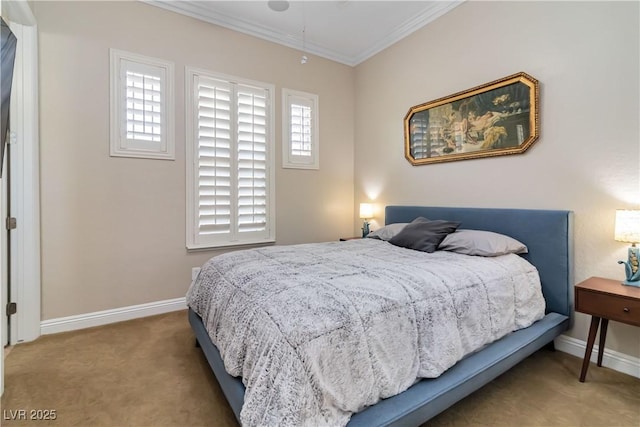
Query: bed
pixel 548 236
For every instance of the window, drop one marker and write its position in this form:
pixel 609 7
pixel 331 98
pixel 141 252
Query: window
pixel 301 143
pixel 230 164
pixel 141 106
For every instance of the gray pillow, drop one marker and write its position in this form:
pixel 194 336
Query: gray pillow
pixel 482 243
pixel 424 235
pixel 388 231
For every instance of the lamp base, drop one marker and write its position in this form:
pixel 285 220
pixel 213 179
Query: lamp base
pixel 635 284
pixel 365 229
pixel 631 267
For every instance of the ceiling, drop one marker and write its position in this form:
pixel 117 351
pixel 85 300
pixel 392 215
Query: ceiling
pixel 346 31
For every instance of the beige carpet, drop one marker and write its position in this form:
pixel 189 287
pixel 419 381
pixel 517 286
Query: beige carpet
pixel 147 372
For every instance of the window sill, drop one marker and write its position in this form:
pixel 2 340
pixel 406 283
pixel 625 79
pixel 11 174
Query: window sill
pixel 213 247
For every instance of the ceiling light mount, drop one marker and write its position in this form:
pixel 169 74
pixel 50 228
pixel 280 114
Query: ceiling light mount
pixel 304 58
pixel 278 5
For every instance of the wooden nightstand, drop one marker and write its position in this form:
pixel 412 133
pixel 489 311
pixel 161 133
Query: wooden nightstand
pixel 344 239
pixel 605 299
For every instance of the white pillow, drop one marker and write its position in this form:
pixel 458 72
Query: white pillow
pixel 481 243
pixel 388 231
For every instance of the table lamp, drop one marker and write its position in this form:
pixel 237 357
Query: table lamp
pixel 366 212
pixel 628 230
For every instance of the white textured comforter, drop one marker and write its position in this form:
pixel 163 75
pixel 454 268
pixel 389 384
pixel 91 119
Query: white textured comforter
pixel 319 331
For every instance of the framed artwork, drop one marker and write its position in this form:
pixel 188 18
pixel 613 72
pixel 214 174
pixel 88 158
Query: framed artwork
pixel 494 119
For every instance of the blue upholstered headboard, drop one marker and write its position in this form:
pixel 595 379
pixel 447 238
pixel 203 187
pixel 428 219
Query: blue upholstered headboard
pixel 547 234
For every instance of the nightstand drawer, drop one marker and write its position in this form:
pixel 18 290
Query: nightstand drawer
pixel 611 307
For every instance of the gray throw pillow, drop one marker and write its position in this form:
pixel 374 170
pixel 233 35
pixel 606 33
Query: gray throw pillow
pixel 482 243
pixel 388 231
pixel 424 235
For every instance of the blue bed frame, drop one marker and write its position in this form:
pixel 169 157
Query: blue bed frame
pixel 547 234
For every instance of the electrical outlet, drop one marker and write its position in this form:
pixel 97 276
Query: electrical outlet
pixel 194 273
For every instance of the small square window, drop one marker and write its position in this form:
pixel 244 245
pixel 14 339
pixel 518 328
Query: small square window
pixel 300 130
pixel 142 106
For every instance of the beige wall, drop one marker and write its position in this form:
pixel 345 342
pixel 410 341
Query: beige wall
pixel 587 160
pixel 113 229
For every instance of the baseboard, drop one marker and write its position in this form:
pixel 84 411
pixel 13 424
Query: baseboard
pixel 98 318
pixel 611 359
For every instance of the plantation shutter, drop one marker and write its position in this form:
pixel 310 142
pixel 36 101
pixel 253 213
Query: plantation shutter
pixel 143 100
pixel 214 157
pixel 230 179
pixel 252 159
pixel 300 128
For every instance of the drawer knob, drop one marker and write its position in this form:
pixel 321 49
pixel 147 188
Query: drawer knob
pixel 626 309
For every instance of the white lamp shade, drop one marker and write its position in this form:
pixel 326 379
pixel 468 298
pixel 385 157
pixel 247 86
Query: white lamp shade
pixel 366 210
pixel 628 225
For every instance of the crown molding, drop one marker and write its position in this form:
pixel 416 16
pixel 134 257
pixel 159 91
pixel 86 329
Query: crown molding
pixel 195 9
pixel 428 15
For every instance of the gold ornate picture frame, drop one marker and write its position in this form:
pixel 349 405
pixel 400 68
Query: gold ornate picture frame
pixel 494 119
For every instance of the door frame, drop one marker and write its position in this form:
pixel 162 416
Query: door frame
pixel 4 288
pixel 25 179
pixel 25 280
